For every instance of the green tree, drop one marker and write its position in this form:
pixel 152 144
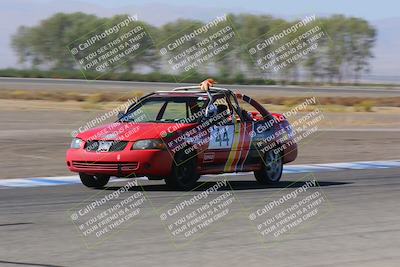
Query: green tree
pixel 361 39
pixel 46 43
pixel 345 50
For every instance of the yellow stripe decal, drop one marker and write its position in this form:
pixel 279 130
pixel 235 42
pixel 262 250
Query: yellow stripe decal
pixel 232 153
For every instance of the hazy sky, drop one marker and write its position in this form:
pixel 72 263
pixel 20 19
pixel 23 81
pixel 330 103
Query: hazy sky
pixel 368 9
pixel 383 14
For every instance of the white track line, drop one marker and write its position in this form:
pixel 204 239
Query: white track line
pixel 303 168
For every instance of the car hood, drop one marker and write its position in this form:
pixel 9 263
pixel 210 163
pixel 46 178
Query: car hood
pixel 133 131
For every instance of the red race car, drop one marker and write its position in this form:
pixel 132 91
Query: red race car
pixel 181 134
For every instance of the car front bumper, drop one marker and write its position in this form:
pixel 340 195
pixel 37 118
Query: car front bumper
pixel 121 164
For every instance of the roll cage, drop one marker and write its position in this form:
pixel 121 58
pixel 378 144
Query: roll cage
pixel 213 93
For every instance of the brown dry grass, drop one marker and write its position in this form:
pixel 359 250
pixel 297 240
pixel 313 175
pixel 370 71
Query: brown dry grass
pixel 364 102
pixel 68 96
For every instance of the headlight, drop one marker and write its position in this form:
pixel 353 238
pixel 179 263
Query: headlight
pixel 148 144
pixel 76 143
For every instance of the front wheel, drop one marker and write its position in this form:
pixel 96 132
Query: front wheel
pixel 184 172
pixel 271 170
pixel 94 181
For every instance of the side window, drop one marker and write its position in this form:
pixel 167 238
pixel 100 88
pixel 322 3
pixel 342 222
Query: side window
pixel 196 107
pixel 222 111
pixel 175 111
pixel 237 108
pixel 150 109
pixel 249 112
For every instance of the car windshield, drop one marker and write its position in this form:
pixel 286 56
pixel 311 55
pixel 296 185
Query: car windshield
pixel 167 109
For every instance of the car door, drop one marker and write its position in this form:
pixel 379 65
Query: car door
pixel 229 141
pixel 261 128
pixel 243 128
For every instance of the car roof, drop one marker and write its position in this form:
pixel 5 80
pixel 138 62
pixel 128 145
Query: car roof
pixel 194 91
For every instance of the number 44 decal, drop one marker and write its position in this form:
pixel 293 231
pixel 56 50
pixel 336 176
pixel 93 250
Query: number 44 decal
pixel 221 137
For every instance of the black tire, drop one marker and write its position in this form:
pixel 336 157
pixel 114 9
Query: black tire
pixel 94 181
pixel 272 167
pixel 184 173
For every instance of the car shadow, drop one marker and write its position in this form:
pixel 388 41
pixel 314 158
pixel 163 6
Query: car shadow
pixel 232 185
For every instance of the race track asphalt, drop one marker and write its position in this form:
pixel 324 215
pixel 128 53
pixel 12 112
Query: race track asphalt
pixel 359 227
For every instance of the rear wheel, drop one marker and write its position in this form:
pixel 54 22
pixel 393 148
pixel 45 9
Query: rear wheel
pixel 184 172
pixel 94 181
pixel 271 170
